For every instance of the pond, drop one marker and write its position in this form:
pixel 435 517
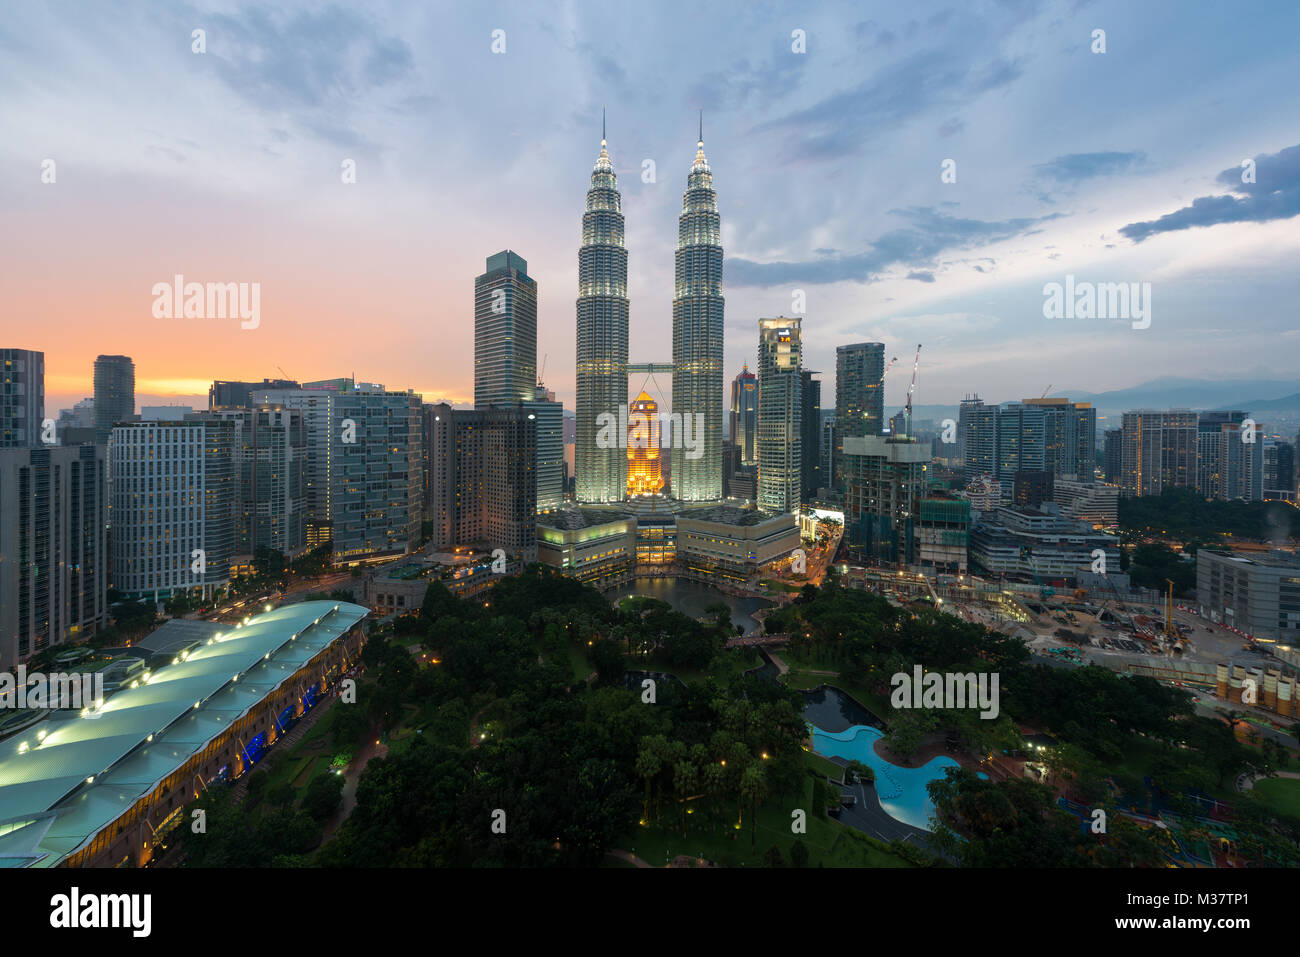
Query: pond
pixel 692 598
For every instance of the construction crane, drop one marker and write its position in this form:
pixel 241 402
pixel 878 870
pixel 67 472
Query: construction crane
pixel 1044 591
pixel 541 376
pixel 912 388
pixel 1045 391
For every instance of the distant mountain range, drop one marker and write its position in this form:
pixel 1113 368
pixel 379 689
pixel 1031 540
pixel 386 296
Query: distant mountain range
pixel 1278 396
pixel 1252 395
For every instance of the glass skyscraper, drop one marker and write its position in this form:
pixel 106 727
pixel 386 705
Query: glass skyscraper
pixel 697 340
pixel 505 332
pixel 114 394
pixel 601 473
pixel 859 396
pixel 780 415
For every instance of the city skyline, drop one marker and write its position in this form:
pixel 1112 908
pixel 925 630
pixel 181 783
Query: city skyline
pixel 1118 186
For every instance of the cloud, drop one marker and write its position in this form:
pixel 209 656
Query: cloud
pixel 1275 194
pixel 843 123
pixel 1074 167
pixel 928 233
pixel 921 276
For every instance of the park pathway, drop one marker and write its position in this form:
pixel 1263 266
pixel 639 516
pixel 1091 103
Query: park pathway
pixel 628 856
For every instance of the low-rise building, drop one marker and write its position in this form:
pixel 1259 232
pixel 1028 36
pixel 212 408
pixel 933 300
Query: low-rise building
pixel 1037 544
pixel 1257 595
pixel 598 546
pixel 720 543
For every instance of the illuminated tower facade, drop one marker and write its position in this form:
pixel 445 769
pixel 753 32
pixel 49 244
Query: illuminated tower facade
pixel 644 475
pixel 697 340
pixel 780 414
pixel 600 473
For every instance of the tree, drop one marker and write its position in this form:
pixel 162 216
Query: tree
pixel 773 857
pixel 753 788
pixel 798 853
pixel 324 795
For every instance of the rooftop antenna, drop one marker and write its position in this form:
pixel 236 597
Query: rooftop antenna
pixel 602 126
pixel 701 126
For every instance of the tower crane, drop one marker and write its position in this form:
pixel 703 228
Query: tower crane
pixel 912 388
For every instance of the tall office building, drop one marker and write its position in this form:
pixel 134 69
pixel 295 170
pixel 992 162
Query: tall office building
pixel 269 448
pixel 22 398
pixel 644 474
pixel 114 395
pixel 744 415
pixel 505 332
pixel 485 483
pixel 1070 437
pixel 54 572
pixel 376 473
pixel 1021 439
pixel 173 500
pixel 810 435
pixel 1159 451
pixel 697 338
pixel 1113 455
pixel 550 448
pixel 780 415
pixel 859 396
pixel 602 308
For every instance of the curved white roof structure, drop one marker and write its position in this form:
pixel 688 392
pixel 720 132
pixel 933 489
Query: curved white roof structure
pixel 65 778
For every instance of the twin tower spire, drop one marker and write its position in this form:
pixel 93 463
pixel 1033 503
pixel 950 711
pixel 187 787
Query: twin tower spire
pixel 602 339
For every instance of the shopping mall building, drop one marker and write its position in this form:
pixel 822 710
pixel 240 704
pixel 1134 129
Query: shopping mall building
pixel 102 787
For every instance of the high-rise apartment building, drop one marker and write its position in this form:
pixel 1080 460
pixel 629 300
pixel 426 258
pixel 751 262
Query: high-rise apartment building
pixel 485 479
pixel 269 447
pixel 827 446
pixel 780 414
pixel 1113 455
pixel 978 432
pixel 173 500
pixel 1230 456
pixel 376 473
pixel 1279 470
pixel 859 396
pixel 320 423
pixel 22 398
pixel 885 482
pixel 697 339
pixel 601 473
pixel 114 395
pixel 505 332
pixel 53 560
pixel 744 415
pixel 224 394
pixel 1159 451
pixel 810 435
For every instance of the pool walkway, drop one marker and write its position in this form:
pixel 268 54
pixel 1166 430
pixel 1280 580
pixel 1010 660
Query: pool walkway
pixel 868 816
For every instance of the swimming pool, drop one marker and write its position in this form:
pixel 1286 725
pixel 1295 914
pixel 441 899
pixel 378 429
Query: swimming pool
pixel 901 790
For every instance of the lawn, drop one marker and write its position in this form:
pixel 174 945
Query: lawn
pixel 822 767
pixel 828 842
pixel 1280 794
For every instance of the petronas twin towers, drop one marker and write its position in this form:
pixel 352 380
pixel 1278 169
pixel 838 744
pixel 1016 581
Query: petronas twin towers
pixel 602 313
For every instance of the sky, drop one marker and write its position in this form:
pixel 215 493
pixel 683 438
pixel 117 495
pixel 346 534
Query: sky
pixel 828 126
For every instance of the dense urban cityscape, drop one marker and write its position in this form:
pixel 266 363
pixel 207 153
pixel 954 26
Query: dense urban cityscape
pixel 753 590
